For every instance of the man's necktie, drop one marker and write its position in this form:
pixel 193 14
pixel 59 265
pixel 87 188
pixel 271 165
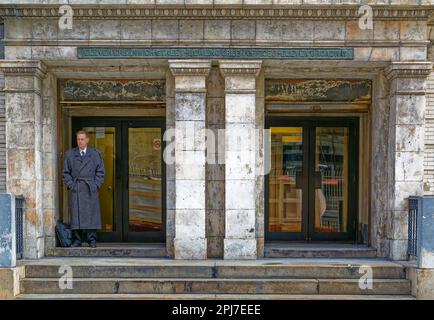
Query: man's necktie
pixel 82 153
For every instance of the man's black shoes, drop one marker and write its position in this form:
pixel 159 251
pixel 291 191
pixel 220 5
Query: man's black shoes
pixel 76 244
pixel 92 244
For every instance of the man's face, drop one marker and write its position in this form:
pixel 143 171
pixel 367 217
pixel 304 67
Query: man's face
pixel 82 141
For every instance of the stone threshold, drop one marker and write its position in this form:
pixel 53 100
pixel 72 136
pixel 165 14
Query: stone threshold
pixel 113 250
pixel 318 250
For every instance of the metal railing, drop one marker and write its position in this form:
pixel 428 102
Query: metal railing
pixel 413 207
pixel 19 225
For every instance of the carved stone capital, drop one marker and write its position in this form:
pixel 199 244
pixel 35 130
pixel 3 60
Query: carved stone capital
pixel 23 68
pixel 190 67
pixel 408 70
pixel 190 75
pixel 240 68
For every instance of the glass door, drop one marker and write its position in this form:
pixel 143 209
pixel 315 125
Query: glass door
pixel 132 196
pixel 144 196
pixel 311 187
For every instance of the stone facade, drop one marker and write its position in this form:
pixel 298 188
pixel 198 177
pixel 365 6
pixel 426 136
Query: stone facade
pixel 217 209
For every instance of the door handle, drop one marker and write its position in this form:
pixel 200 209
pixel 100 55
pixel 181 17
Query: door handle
pixel 299 180
pixel 109 188
pixel 318 179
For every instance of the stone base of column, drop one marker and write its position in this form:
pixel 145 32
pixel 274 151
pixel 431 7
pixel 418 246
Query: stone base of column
pixel 194 249
pixel 240 249
pixel 10 282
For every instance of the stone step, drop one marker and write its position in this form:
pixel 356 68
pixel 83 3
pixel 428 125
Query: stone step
pixel 148 250
pixel 122 296
pixel 214 286
pixel 285 250
pixel 265 271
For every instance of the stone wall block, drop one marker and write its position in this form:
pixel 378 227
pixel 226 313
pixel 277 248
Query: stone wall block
pixel 413 30
pixel 410 109
pixel 413 53
pixel 135 29
pixel 240 224
pixel 409 137
pixel 105 29
pixel 297 30
pixel 43 29
pixel 240 248
pixel 18 29
pixel 190 194
pixel 240 108
pixel 165 30
pixel 80 31
pixel 215 223
pixel 269 30
pixel 190 106
pixel 243 30
pixel 190 222
pixel 409 166
pixel 329 30
pixel 215 192
pixel 240 194
pixel 191 30
pixel 217 29
pixel 190 165
pixel 386 30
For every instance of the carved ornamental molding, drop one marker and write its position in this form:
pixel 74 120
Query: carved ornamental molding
pixel 409 70
pixel 190 67
pixel 23 68
pixel 239 68
pixel 330 12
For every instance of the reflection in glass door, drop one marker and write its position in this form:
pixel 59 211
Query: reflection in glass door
pixel 331 179
pixel 311 187
pixel 104 139
pixel 285 187
pixel 144 185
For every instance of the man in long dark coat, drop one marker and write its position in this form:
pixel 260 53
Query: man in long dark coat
pixel 83 174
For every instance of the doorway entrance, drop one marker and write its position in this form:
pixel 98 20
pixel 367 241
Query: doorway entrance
pixel 311 190
pixel 132 198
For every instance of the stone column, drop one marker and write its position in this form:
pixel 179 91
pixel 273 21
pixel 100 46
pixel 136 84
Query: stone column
pixel 23 83
pixel 241 155
pixel 406 144
pixel 190 113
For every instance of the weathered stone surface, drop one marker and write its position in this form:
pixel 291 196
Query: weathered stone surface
pixel 190 194
pixel 104 29
pixel 165 30
pixel 135 30
pixel 9 282
pixel 217 30
pixel 409 137
pixel 240 194
pixel 240 224
pixel 191 30
pixel 413 30
pixel 329 30
pixel 425 284
pixel 190 106
pixel 236 248
pixel 215 192
pixel 243 30
pixel 409 166
pixel 386 30
pixel 190 248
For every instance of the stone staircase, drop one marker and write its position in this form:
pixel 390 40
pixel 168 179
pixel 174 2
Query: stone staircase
pixel 150 278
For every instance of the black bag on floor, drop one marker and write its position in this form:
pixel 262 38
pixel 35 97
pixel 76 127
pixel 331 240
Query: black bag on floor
pixel 64 234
